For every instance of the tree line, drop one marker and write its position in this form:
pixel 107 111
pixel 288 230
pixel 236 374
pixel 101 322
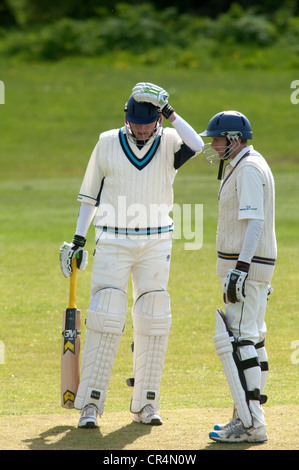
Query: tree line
pixel 37 11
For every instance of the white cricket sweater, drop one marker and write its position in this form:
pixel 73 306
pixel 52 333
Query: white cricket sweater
pixel 131 186
pixel 232 220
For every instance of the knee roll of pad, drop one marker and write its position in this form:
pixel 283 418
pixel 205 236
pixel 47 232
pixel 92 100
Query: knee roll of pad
pixel 151 314
pixel 105 322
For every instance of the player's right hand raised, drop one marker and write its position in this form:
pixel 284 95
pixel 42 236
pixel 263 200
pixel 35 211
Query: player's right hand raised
pixel 70 250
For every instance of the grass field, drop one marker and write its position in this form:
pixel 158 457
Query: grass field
pixel 51 119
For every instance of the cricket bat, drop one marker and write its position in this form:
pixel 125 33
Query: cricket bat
pixel 70 346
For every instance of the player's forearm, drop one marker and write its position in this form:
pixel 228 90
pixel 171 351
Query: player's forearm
pixel 251 239
pixel 86 214
pixel 186 132
pixel 173 116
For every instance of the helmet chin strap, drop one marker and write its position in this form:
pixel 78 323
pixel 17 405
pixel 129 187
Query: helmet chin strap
pixel 220 170
pixel 231 145
pixel 221 163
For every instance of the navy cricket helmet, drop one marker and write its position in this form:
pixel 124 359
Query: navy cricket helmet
pixel 141 112
pixel 228 124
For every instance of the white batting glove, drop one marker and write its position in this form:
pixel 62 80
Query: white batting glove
pixel 150 93
pixel 234 286
pixel 68 251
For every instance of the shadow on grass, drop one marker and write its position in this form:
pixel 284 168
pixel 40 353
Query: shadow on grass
pixel 232 446
pixel 73 438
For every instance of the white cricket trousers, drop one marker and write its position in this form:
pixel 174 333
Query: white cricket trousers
pixel 247 319
pixel 147 259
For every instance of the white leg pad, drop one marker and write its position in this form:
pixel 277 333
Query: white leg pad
pixel 105 322
pixel 151 324
pixel 262 355
pixel 223 344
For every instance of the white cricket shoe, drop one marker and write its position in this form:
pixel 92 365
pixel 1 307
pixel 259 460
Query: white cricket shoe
pixel 148 415
pixel 237 433
pixel 88 418
pixel 219 427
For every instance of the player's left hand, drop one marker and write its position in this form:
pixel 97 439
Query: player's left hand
pixel 150 93
pixel 234 286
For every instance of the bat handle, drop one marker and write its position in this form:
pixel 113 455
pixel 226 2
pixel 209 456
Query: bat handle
pixel 73 284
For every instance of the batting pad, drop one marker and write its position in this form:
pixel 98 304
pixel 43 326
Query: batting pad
pixel 105 322
pixel 223 344
pixel 151 326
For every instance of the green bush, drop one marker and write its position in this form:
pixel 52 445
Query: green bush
pixel 140 29
pixel 243 27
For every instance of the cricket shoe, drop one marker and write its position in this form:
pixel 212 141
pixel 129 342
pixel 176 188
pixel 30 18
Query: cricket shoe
pixel 148 415
pixel 219 427
pixel 236 432
pixel 88 418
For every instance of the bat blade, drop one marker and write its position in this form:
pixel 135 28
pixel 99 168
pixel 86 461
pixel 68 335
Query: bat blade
pixel 70 346
pixel 70 356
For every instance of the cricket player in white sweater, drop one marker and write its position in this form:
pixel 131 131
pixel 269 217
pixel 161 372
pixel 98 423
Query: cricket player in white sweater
pixel 127 190
pixel 246 246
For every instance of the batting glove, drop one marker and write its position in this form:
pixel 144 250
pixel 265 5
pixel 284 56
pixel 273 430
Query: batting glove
pixel 157 96
pixel 234 284
pixel 68 251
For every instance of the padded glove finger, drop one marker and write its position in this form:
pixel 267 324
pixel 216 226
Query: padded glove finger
pixel 234 286
pixel 150 93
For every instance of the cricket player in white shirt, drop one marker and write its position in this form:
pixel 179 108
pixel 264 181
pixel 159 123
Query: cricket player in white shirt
pixel 127 190
pixel 246 246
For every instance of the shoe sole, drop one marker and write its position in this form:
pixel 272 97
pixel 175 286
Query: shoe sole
pixel 88 425
pixel 239 441
pixel 153 422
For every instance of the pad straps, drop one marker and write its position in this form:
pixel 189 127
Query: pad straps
pixel 244 365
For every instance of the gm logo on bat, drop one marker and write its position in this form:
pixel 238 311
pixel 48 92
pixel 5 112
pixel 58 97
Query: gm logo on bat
pixel 69 340
pixel 70 334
